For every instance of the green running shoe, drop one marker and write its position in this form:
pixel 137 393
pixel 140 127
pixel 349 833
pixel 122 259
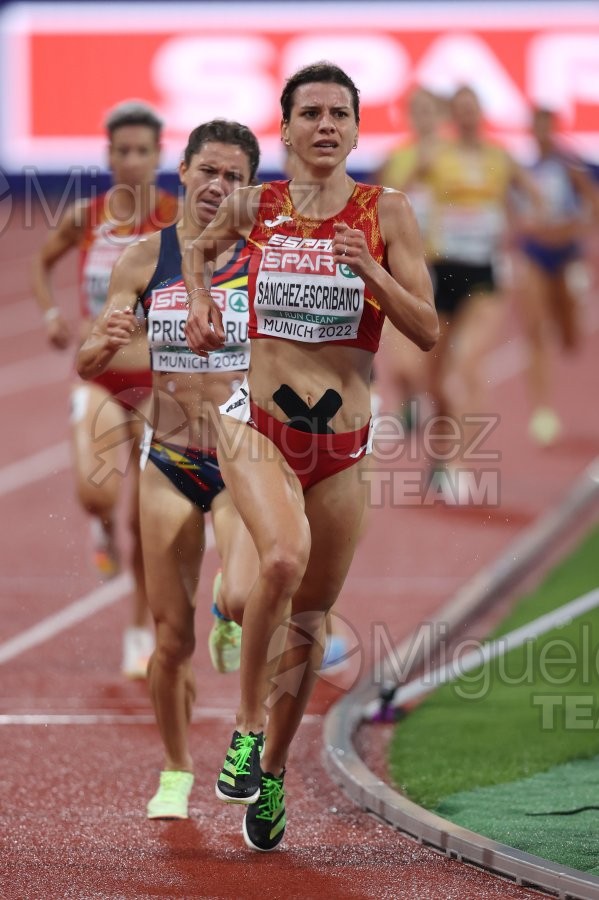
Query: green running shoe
pixel 544 426
pixel 239 779
pixel 171 798
pixel 264 821
pixel 224 641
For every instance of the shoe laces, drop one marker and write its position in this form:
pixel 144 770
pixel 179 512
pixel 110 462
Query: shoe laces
pixel 271 795
pixel 243 747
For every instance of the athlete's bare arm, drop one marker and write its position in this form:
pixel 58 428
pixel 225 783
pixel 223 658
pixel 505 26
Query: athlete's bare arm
pixel 405 292
pixel 117 324
pixel 527 187
pixel 63 238
pixel 587 190
pixel 234 219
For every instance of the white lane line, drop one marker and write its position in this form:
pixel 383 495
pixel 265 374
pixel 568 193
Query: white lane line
pixel 199 715
pixel 34 373
pixel 482 654
pixel 77 612
pixel 70 615
pixel 34 468
pixel 19 318
pixel 389 585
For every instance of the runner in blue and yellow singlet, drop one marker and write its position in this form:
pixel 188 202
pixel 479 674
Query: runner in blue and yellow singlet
pixel 107 414
pixel 180 480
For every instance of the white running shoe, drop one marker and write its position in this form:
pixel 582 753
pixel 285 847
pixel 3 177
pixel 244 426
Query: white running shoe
pixel 138 646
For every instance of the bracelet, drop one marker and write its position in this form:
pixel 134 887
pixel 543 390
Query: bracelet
pixel 51 314
pixel 190 294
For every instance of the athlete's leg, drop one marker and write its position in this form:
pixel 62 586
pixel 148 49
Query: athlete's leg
pixel 172 531
pixel 478 323
pixel 269 498
pixel 99 439
pixel 238 557
pixel 334 508
pixel 532 295
pixel 565 310
pixel 406 366
pixel 440 440
pixel 140 600
pixel 476 329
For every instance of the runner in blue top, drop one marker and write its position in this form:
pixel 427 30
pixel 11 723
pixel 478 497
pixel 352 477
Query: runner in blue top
pixel 181 480
pixel 546 299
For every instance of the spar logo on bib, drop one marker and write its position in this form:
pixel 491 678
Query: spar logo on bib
pixel 238 301
pixel 220 298
pixel 169 298
pixel 290 254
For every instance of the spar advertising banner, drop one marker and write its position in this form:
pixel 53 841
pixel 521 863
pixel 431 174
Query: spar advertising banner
pixel 64 65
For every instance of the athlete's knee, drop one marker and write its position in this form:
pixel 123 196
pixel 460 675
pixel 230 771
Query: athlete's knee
pixel 175 644
pixel 95 501
pixel 284 564
pixel 232 598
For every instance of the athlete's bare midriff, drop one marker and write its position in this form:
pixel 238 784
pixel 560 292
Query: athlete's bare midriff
pixel 186 405
pixel 310 370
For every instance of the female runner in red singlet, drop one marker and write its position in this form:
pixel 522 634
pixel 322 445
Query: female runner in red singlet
pixel 106 414
pixel 329 260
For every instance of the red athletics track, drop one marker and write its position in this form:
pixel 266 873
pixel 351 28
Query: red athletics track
pixel 79 753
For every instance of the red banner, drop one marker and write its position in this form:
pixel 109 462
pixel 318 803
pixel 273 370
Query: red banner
pixel 65 65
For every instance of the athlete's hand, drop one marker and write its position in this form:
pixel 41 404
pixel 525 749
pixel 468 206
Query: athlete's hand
pixel 58 331
pixel 204 327
pixel 118 326
pixel 350 248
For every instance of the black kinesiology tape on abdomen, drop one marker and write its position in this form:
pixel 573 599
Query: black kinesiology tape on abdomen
pixel 314 419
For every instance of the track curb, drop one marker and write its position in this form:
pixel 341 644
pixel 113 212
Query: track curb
pixel 373 795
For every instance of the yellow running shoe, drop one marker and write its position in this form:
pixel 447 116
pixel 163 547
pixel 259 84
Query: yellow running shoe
pixel 224 641
pixel 171 799
pixel 544 426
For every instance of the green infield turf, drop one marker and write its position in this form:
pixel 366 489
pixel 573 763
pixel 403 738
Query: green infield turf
pixel 553 814
pixel 521 714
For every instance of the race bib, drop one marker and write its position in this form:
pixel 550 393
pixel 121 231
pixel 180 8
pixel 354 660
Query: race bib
pixel 469 235
pixel 166 332
pixel 301 294
pixel 100 260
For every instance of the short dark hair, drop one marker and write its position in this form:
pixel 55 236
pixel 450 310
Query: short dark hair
pixel 323 71
pixel 465 90
pixel 543 112
pixel 224 131
pixel 133 112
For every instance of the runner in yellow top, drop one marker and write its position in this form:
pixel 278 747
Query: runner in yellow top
pixel 470 179
pixel 408 169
